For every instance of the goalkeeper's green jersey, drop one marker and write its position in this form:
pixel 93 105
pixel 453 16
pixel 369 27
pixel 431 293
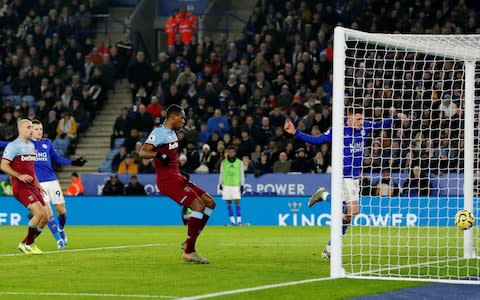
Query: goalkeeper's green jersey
pixel 231 173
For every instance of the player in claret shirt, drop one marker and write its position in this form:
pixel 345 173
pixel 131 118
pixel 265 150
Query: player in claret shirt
pixel 18 162
pixel 162 146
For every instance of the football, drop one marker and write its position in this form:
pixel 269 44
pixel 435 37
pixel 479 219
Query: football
pixel 464 219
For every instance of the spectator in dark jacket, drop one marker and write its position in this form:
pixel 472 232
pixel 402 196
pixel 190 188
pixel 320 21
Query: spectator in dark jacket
pixel 113 187
pixel 418 184
pixel 302 163
pixel 134 188
pixel 139 73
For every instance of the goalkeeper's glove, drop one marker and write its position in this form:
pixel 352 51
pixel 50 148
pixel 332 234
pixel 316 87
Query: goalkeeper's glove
pixel 220 187
pixel 241 189
pixel 163 157
pixel 185 174
pixel 79 162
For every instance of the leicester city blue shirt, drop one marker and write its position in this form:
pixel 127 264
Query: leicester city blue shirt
pixel 45 154
pixel 353 143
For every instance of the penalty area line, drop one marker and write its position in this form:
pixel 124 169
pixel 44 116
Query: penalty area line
pixel 59 294
pixel 256 288
pixel 90 249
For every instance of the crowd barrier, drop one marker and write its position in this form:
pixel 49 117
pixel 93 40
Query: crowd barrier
pixel 271 211
pixel 299 184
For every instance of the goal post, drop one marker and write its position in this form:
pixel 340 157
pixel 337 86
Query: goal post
pixel 416 172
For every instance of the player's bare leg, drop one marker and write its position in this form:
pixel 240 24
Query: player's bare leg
pixel 35 227
pixel 195 223
pixel 62 219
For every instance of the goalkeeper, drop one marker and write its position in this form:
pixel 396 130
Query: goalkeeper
pixel 355 132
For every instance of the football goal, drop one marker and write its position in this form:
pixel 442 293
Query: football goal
pixel 418 170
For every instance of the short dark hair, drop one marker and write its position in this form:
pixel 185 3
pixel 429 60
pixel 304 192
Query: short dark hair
pixel 75 174
pixel 174 109
pixel 36 121
pixel 351 110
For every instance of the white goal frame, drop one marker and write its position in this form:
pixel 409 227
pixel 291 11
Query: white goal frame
pixel 470 55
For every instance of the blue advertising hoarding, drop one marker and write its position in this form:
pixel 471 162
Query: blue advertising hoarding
pixel 268 184
pixel 271 211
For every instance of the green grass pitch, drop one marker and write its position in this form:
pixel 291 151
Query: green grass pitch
pixel 241 257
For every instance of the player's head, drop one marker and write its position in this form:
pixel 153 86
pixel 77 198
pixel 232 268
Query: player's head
pixel 355 117
pixel 231 153
pixel 175 117
pixel 25 129
pixel 37 129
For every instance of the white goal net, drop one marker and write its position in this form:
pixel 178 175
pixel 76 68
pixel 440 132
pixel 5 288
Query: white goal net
pixel 418 171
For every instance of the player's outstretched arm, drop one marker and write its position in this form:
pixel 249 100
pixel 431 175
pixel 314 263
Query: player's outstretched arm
pixel 387 123
pixel 147 151
pixel 57 158
pixel 314 140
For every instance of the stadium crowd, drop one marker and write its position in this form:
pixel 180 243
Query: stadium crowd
pixel 50 68
pixel 240 92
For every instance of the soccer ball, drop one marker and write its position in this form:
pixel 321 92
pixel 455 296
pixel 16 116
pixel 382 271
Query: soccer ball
pixel 464 219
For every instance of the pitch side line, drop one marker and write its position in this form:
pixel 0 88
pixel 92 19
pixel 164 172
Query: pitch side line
pixel 85 295
pixel 256 288
pixel 90 249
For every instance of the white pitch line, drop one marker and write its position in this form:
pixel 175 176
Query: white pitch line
pixel 290 283
pixel 89 249
pixel 256 288
pixel 86 295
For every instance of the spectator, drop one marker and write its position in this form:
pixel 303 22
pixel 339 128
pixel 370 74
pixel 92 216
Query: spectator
pixel 207 160
pixel 128 165
pixel 66 134
pixel 263 166
pixel 134 188
pixel 218 123
pixel 385 186
pixel 302 163
pixel 146 166
pixel 139 73
pixel 118 158
pixel 131 140
pixel 417 185
pixel 121 127
pixel 154 108
pixel 143 121
pixel 75 188
pixel 320 165
pixel 113 187
pixel 282 165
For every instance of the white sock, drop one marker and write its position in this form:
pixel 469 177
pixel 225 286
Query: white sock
pixel 232 220
pixel 239 220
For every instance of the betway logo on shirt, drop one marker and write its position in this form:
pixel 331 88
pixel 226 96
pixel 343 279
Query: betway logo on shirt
pixel 27 157
pixel 173 145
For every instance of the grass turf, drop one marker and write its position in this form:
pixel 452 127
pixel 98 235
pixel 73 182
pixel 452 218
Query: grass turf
pixel 242 257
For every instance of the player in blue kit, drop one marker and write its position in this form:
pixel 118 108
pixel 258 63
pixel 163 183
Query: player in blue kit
pixel 355 132
pixel 45 154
